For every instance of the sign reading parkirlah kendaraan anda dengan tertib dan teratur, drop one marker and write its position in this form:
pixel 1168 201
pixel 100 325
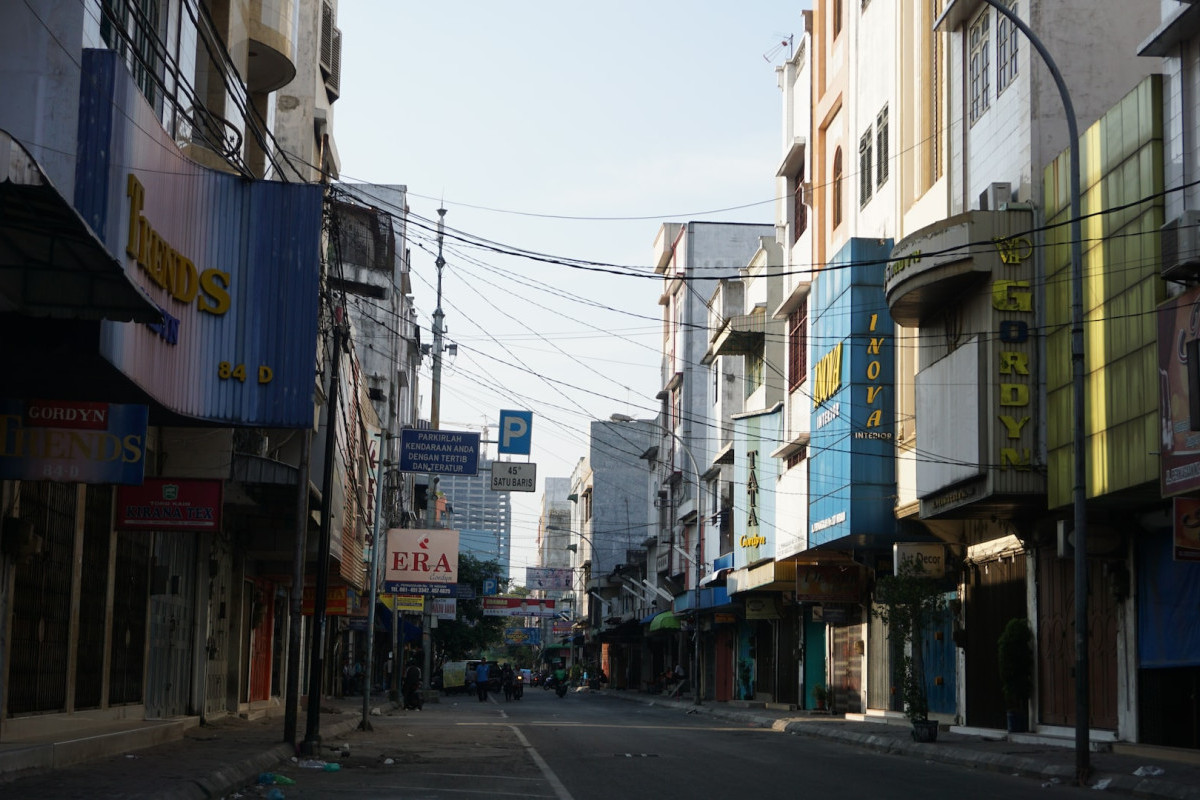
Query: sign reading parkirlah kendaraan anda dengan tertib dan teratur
pixel 440 452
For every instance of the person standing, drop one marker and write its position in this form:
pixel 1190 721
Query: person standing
pixel 481 680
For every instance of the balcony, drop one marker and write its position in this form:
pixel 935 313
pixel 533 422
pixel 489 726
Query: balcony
pixel 743 334
pixel 272 62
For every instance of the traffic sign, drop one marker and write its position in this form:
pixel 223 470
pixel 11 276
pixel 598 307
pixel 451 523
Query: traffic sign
pixel 516 433
pixel 508 476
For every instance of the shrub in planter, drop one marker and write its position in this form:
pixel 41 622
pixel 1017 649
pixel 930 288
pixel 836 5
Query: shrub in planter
pixel 1015 660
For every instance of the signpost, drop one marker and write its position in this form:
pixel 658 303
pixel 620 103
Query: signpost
pixel 508 476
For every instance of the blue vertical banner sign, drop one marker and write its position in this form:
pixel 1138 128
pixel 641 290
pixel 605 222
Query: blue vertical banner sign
pixel 516 432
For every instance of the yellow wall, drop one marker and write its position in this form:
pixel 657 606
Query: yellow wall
pixel 1121 161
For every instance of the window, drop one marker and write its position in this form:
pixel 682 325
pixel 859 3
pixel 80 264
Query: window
pixel 755 373
pixel 800 210
pixel 716 376
pixel 979 37
pixel 865 173
pixel 132 29
pixel 797 345
pixel 1006 50
pixel 837 187
pixel 837 17
pixel 881 147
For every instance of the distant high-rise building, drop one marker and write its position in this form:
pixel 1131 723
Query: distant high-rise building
pixel 482 517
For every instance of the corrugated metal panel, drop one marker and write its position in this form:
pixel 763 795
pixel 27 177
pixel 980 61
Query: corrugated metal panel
pixel 253 364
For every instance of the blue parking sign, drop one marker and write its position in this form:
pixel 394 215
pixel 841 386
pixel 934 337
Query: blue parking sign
pixel 516 432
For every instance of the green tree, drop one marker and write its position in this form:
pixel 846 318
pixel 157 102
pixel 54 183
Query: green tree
pixel 471 633
pixel 909 603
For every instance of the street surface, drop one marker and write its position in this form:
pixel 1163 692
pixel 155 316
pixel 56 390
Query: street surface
pixel 587 747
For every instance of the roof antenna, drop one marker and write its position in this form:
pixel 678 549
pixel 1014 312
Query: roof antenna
pixel 774 51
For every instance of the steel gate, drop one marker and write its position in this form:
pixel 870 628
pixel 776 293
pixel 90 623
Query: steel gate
pixel 130 586
pixel 172 625
pixel 41 605
pixel 93 606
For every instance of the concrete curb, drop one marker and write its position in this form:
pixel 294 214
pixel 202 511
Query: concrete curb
pixel 237 775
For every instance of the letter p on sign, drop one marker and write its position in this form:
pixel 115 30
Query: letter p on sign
pixel 516 432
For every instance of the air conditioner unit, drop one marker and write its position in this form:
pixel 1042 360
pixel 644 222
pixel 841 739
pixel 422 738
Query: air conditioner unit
pixel 996 196
pixel 331 52
pixel 1180 246
pixel 806 194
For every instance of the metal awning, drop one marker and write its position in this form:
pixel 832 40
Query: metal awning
pixel 51 263
pixel 717 577
pixel 666 621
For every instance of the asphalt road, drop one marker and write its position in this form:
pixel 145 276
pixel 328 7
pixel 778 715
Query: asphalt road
pixel 585 747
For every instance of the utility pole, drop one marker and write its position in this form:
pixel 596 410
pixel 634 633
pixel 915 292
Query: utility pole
pixel 312 735
pixel 373 565
pixel 295 607
pixel 435 412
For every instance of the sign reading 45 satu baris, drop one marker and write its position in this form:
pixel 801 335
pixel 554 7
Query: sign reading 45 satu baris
pixel 510 477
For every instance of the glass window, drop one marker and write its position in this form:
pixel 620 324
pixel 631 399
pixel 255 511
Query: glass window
pixel 979 37
pixel 1007 37
pixel 797 345
pixel 865 173
pixel 837 187
pixel 799 210
pixel 881 147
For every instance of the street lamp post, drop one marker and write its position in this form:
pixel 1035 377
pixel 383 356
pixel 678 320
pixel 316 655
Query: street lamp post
pixel 1079 487
pixel 699 563
pixel 699 548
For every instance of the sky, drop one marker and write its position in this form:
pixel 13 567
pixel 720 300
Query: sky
pixel 557 132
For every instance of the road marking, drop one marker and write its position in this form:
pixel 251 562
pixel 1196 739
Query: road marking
pixel 559 789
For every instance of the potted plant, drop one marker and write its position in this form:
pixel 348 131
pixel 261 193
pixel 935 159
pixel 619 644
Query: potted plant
pixel 819 694
pixel 1015 659
pixel 908 603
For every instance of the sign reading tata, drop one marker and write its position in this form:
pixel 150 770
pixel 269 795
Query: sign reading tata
pixel 441 452
pixel 516 432
pixel 421 561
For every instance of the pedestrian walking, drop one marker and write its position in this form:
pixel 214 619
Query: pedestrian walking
pixel 481 679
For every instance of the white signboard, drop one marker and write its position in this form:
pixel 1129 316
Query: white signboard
pixel 508 476
pixel 445 607
pixel 554 579
pixel 417 555
pixel 518 607
pixel 931 558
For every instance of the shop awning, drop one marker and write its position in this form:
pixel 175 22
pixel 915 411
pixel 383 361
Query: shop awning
pixel 717 577
pixel 51 263
pixel 666 621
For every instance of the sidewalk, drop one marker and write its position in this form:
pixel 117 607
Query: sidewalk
pixel 197 763
pixel 216 760
pixel 1167 773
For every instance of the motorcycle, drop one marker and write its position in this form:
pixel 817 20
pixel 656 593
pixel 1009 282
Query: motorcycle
pixel 559 686
pixel 518 687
